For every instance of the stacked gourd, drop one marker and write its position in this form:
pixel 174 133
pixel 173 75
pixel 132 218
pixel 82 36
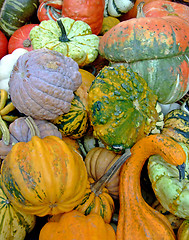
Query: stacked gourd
pixel 53 103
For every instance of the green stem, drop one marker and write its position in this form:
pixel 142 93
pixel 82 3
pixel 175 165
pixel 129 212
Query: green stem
pixel 63 37
pixel 32 126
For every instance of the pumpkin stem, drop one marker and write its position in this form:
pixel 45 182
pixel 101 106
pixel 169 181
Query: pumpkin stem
pixel 140 12
pixel 32 126
pixel 97 186
pixel 63 37
pixel 181 169
pixel 5 131
pixel 26 43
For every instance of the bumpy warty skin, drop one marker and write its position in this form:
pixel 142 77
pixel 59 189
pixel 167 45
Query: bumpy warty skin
pixel 42 83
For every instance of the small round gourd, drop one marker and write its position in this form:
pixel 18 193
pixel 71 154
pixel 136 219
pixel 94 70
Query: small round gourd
pixel 42 83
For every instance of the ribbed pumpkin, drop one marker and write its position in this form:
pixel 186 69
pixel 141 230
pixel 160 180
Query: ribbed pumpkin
pixel 137 220
pixel 122 108
pixel 74 123
pixel 155 48
pixel 53 183
pixel 14 224
pixel 77 226
pixel 42 83
pixel 176 125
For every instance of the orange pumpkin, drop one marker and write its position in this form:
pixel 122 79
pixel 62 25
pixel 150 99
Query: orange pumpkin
pixel 77 226
pixel 44 176
pixel 137 220
pixel 91 12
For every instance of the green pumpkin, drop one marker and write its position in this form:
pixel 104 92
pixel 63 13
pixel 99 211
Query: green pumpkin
pixel 14 224
pixel 71 38
pixel 122 108
pixel 170 189
pixel 14 14
pixel 176 125
pixel 74 123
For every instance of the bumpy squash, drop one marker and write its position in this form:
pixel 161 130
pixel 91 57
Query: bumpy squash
pixel 42 83
pixel 121 107
pixel 71 38
pixel 14 224
pixel 53 183
pixel 90 227
pixel 155 48
pixel 137 220
pixel 176 125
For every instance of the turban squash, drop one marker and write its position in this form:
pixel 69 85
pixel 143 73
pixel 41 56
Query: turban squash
pixel 156 48
pixel 53 183
pixel 122 108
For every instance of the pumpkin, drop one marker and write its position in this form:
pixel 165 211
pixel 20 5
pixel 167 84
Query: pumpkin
pixel 98 160
pixel 138 220
pixel 170 190
pixel 15 14
pixel 42 83
pixel 176 125
pixel 48 12
pixel 108 23
pixel 6 66
pixel 20 38
pixel 23 129
pixel 74 123
pixel 54 183
pixel 3 45
pixel 183 231
pixel 162 8
pixel 146 45
pixel 71 38
pixel 116 8
pixel 91 12
pixel 8 114
pixel 14 224
pixel 75 225
pixel 122 108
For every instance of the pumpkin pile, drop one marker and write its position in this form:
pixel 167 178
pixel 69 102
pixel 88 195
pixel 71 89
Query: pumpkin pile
pixel 94 120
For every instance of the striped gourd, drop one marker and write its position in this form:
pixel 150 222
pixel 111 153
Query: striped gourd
pixel 15 13
pixel 116 8
pixel 74 123
pixel 14 224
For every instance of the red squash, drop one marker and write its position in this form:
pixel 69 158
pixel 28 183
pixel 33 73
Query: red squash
pixel 53 3
pixel 48 12
pixel 89 11
pixel 20 38
pixel 3 45
pixel 161 8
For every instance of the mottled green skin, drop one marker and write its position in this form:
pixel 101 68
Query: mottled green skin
pixel 122 107
pixel 157 49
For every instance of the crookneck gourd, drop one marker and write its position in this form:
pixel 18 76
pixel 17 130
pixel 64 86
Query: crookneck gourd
pixel 53 183
pixel 156 48
pixel 42 83
pixel 71 38
pixel 122 108
pixel 138 220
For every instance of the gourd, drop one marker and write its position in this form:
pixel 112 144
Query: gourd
pixel 170 190
pixel 183 231
pixel 23 129
pixel 6 66
pixel 90 12
pixel 48 12
pixel 176 125
pixel 91 227
pixel 52 184
pixel 14 224
pixel 117 8
pixel 108 23
pixel 20 38
pixel 137 220
pixel 120 99
pixel 3 45
pixel 14 14
pixel 148 49
pixel 67 36
pixel 42 83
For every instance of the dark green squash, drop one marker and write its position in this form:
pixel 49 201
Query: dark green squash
pixel 14 14
pixel 122 108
